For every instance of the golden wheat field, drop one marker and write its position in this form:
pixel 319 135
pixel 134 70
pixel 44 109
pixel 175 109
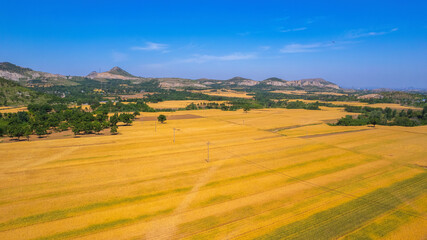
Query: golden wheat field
pixel 224 93
pixel 270 174
pixel 363 104
pixel 179 103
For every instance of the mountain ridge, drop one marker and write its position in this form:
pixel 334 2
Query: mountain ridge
pixel 27 75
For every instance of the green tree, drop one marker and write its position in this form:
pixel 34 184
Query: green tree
pixel 113 129
pixel 126 118
pixel 161 118
pixel 388 113
pixel 97 127
pixel 246 108
pixel 63 126
pixel 114 119
pixel 76 128
pixel 40 130
pixel 27 131
pixel 375 117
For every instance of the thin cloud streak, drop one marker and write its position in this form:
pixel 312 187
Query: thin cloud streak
pixel 293 29
pixel 314 47
pixel 360 34
pixel 151 46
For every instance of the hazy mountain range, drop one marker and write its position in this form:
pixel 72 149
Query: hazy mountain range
pixel 27 76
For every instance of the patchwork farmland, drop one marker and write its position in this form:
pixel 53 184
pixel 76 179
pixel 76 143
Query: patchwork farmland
pixel 270 174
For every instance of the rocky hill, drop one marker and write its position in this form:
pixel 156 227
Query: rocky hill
pixel 312 82
pixel 27 76
pixel 30 77
pixel 114 73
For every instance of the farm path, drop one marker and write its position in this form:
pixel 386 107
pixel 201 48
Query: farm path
pixel 54 157
pixel 165 228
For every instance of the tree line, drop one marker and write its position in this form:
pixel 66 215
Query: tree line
pixel 386 116
pixel 43 119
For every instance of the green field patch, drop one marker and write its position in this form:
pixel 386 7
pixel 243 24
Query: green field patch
pixel 60 214
pixel 212 221
pixel 102 226
pixel 381 228
pixel 322 172
pixel 351 215
pixel 216 199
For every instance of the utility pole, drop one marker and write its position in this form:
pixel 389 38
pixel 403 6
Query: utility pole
pixel 177 129
pixel 207 160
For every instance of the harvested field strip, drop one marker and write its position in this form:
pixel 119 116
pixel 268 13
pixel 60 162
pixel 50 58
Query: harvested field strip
pixel 100 227
pixel 290 127
pixel 351 215
pixel 267 172
pixel 60 214
pixel 293 203
pixel 335 133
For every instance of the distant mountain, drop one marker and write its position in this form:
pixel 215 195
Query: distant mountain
pixel 26 75
pixel 239 81
pixel 30 77
pixel 274 81
pixel 312 82
pixel 114 73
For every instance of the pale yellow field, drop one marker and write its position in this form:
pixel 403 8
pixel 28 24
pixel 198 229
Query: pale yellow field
pixel 224 93
pixel 12 109
pixel 304 92
pixel 272 174
pixel 178 104
pixel 362 104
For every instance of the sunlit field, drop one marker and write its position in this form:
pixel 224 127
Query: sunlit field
pixel 363 104
pixel 268 174
pixel 224 93
pixel 12 109
pixel 179 104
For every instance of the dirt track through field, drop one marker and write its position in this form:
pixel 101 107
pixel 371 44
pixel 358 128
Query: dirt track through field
pixel 54 157
pixel 167 227
pixel 335 133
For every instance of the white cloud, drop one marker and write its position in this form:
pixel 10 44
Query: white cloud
pixel 151 46
pixel 293 29
pixel 265 48
pixel 300 48
pixel 360 33
pixel 231 57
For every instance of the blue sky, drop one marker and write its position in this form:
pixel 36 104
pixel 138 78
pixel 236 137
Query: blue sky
pixel 361 44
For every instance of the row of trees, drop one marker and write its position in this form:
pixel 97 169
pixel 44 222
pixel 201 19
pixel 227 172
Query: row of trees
pixel 42 119
pixel 247 104
pixel 385 116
